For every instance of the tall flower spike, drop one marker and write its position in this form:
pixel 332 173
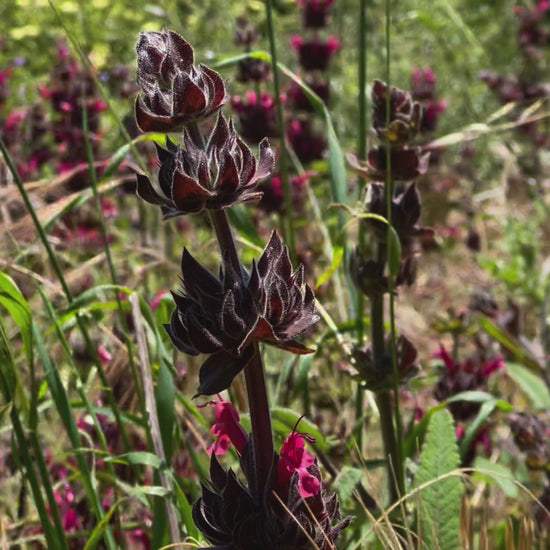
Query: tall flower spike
pixel 220 175
pixel 222 317
pixel 174 91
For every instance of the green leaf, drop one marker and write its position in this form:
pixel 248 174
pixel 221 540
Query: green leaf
pixel 509 343
pixel 241 220
pixel 497 473
pixel 346 482
pixel 138 458
pixel 533 386
pixel 440 501
pixel 337 258
pixel 165 398
pixel 394 250
pixel 186 511
pixel 12 299
pixel 415 438
pixel 97 534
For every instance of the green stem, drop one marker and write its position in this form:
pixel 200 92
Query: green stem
pixel 260 419
pixel 288 236
pixel 362 154
pixel 397 453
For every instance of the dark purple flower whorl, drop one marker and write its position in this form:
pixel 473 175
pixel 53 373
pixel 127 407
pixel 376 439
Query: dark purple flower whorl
pixel 174 91
pixel 223 316
pixel 222 174
pixel 404 116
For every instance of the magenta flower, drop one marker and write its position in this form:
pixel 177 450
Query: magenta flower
pixel 469 375
pixel 308 144
pixel 296 460
pixel 315 13
pixel 423 83
pixel 227 429
pixel 315 55
pixel 257 116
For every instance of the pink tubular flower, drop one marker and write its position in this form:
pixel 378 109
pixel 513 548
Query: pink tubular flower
pixel 296 459
pixel 227 429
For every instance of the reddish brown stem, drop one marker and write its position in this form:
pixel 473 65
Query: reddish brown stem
pixel 260 418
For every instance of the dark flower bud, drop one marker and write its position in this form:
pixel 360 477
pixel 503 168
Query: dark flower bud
pixel 308 144
pixel 473 239
pixel 253 70
pixel 381 378
pixel 224 316
pixel 405 213
pixel 257 116
pixel 299 99
pixel 406 164
pixel 423 84
pixel 368 275
pixel 315 55
pixel 315 13
pixel 273 195
pixel 219 175
pixel 531 437
pixel 174 91
pixel 404 116
pixel 430 115
pixel 245 33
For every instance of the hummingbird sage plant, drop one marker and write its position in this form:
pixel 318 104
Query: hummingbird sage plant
pixel 226 316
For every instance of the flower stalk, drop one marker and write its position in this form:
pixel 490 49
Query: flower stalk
pixel 260 418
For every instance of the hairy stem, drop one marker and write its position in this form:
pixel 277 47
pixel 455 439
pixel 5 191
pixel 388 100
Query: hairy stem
pixel 225 240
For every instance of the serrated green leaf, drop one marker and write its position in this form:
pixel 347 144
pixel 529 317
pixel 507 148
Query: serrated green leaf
pixel 497 473
pixel 346 482
pixel 440 501
pixel 533 386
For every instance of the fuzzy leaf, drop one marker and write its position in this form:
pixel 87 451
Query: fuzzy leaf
pixel 496 473
pixel 533 386
pixel 440 501
pixel 346 482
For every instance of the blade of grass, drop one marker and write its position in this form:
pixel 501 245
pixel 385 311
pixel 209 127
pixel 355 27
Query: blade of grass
pixel 289 218
pixel 7 383
pixel 156 432
pixel 65 412
pixel 112 272
pixel 61 278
